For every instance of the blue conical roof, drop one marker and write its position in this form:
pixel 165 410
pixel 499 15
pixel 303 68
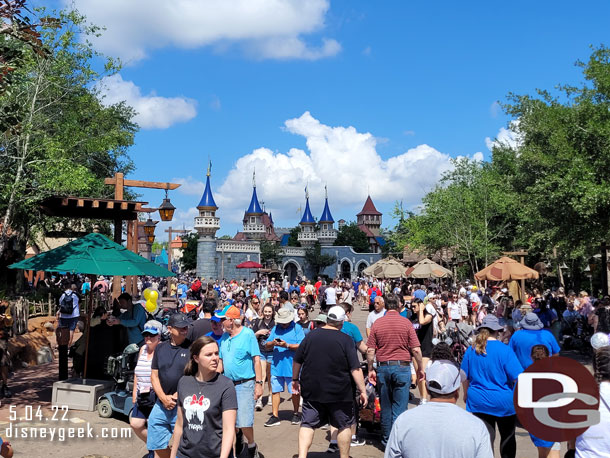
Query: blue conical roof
pixel 254 207
pixel 207 200
pixel 307 216
pixel 326 216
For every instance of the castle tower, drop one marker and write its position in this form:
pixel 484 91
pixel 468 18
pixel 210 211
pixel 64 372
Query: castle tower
pixel 370 217
pixel 327 233
pixel 206 224
pixel 307 236
pixel 254 229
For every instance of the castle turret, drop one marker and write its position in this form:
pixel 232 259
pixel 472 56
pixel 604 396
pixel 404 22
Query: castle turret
pixel 207 223
pixel 370 217
pixel 327 233
pixel 307 236
pixel 254 229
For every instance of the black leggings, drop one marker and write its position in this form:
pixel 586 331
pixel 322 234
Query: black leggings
pixel 506 426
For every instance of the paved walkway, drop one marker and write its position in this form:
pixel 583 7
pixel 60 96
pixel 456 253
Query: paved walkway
pixel 33 387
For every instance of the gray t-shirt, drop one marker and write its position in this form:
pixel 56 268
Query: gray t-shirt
pixel 438 430
pixel 202 405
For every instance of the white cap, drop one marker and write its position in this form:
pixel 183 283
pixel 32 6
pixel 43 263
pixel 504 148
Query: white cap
pixel 336 313
pixel 446 374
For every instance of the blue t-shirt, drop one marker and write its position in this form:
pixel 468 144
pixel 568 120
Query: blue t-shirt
pixel 406 313
pixel 282 357
pixel 523 340
pixel 181 290
pixel 352 330
pixel 419 294
pixel 492 377
pixel 237 353
pixel 85 288
pixel 215 336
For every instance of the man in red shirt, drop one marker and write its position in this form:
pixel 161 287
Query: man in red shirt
pixel 394 343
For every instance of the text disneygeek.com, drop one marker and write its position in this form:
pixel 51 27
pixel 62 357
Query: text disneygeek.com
pixel 62 433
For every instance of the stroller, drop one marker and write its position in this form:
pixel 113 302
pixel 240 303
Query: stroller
pixel 369 416
pixel 458 336
pixel 577 335
pixel 121 369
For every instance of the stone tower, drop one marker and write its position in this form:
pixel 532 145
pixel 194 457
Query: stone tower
pixel 254 229
pixel 206 224
pixel 307 236
pixel 370 217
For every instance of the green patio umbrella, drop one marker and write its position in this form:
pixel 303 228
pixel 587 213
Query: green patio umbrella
pixel 93 254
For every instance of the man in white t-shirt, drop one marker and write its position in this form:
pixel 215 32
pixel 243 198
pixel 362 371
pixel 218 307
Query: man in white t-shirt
pixel 430 431
pixel 330 294
pixel 463 303
pixel 378 312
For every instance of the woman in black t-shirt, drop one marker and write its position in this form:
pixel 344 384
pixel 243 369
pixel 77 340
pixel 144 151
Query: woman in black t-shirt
pixel 262 328
pixel 423 317
pixel 207 406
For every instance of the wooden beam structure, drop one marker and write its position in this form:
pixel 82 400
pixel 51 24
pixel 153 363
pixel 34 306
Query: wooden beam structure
pixel 522 254
pixel 91 208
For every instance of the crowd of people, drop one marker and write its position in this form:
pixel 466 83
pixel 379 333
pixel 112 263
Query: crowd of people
pixel 203 385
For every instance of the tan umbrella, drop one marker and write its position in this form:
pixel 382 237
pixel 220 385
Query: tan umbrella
pixel 386 268
pixel 427 268
pixel 506 269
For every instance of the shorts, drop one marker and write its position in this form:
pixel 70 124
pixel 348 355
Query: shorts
pixel 160 427
pixel 277 384
pixel 267 356
pixel 245 404
pixel 141 413
pixel 341 415
pixel 546 444
pixel 69 323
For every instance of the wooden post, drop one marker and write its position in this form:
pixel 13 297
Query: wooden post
pixel 521 255
pixel 50 301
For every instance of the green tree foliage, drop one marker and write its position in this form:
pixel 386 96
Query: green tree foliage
pixel 316 260
pixel 189 254
pixel 351 235
pixel 293 237
pixel 562 169
pixel 62 140
pixel 271 253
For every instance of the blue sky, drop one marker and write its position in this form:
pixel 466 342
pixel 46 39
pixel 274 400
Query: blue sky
pixel 364 96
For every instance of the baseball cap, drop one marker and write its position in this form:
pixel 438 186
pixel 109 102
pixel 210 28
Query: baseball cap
pixel 178 320
pixel 321 317
pixel 216 319
pixel 446 375
pixel 336 313
pixel 229 311
pixel 152 327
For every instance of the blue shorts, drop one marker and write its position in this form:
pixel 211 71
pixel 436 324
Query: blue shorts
pixel 277 384
pixel 546 444
pixel 160 427
pixel 69 323
pixel 267 356
pixel 245 405
pixel 137 413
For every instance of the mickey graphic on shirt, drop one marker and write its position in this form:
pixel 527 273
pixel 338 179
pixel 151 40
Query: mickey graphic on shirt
pixel 195 407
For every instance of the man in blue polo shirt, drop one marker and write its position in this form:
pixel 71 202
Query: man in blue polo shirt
pixel 240 360
pixel 284 339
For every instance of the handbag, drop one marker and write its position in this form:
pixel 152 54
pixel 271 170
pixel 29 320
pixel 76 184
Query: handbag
pixel 146 400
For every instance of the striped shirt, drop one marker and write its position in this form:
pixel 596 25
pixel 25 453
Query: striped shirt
pixel 142 371
pixel 392 336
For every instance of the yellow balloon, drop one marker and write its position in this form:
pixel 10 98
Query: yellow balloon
pixel 152 296
pixel 150 306
pixel 147 293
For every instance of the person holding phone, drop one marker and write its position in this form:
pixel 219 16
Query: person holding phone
pixel 284 339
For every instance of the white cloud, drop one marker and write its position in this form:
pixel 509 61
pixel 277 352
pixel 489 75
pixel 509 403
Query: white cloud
pixel 506 137
pixel 367 51
pixel 189 186
pixel 215 103
pixel 181 219
pixel 341 157
pixel 494 109
pixel 265 28
pixel 408 133
pixel 153 111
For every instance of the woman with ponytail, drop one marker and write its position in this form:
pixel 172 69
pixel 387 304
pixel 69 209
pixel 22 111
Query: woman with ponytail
pixel 595 441
pixel 207 406
pixel 492 369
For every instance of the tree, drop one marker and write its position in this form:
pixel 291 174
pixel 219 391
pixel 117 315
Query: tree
pixel 189 254
pixel 64 141
pixel 562 163
pixel 351 235
pixel 318 261
pixel 225 237
pixel 271 253
pixel 293 237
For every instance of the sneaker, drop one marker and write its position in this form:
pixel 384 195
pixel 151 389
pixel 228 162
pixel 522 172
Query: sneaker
pixel 423 401
pixel 332 448
pixel 296 418
pixel 273 421
pixel 325 427
pixel 259 405
pixel 357 442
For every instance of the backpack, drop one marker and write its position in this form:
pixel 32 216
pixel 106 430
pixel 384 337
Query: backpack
pixel 66 305
pixel 373 295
